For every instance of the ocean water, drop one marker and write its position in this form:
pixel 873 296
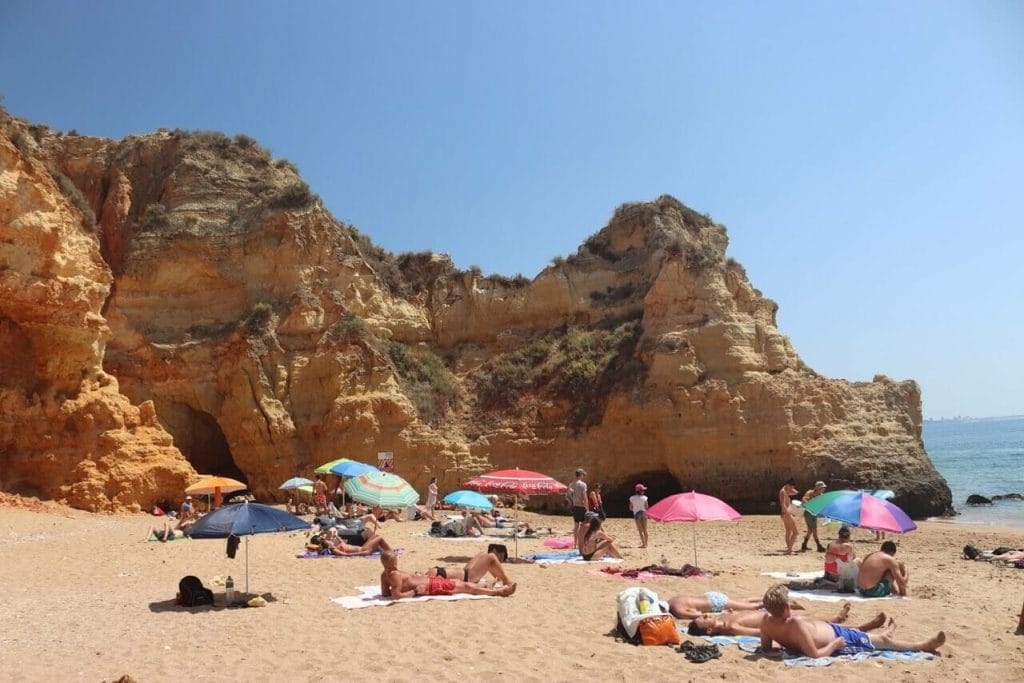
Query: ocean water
pixel 983 456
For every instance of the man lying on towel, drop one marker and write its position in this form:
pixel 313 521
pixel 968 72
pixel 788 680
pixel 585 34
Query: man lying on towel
pixel 397 584
pixel 818 638
pixel 748 622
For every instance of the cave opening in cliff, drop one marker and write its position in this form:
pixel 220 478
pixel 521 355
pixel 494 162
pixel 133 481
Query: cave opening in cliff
pixel 201 440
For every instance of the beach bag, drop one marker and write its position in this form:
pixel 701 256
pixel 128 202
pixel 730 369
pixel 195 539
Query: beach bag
pixel 630 619
pixel 435 529
pixel 192 593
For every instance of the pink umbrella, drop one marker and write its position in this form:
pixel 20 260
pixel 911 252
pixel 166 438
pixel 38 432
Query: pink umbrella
pixel 518 482
pixel 692 507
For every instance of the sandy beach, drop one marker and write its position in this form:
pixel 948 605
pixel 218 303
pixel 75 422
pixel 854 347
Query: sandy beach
pixel 87 599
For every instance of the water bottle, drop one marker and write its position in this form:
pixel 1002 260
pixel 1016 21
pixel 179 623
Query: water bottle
pixel 229 591
pixel 644 604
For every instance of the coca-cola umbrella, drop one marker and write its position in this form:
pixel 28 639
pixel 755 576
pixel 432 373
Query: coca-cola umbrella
pixel 518 482
pixel 692 507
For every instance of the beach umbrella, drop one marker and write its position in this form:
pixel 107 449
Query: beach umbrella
pixel 216 486
pixel 861 509
pixel 295 483
pixel 469 499
pixel 326 467
pixel 692 507
pixel 246 519
pixel 381 489
pixel 351 468
pixel 518 482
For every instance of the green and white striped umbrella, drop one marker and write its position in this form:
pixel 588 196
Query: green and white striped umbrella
pixel 381 489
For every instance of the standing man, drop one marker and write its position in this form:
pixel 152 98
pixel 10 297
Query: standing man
pixel 578 489
pixel 786 494
pixel 811 520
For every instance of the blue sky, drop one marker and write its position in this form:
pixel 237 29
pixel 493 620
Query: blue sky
pixel 866 158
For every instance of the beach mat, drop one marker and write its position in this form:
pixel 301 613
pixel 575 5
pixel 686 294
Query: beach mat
pixel 795 576
pixel 569 558
pixel 829 595
pixel 370 597
pixel 314 555
pixel 797 659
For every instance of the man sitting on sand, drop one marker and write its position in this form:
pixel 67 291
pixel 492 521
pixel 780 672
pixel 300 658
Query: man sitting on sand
pixel 167 532
pixel 880 573
pixel 693 606
pixel 818 638
pixel 748 622
pixel 397 584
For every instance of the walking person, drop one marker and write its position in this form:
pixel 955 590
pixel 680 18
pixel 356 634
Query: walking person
pixel 812 520
pixel 578 491
pixel 638 506
pixel 428 510
pixel 786 494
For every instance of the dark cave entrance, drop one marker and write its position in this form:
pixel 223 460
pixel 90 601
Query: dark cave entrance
pixel 17 359
pixel 201 440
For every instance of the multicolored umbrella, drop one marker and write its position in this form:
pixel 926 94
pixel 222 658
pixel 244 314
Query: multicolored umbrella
pixel 469 499
pixel 859 508
pixel 815 504
pixel 381 489
pixel 692 507
pixel 246 519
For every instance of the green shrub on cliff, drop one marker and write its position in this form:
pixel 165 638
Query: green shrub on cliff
pixel 425 379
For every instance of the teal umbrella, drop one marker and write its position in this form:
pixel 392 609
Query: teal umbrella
pixel 381 489
pixel 469 499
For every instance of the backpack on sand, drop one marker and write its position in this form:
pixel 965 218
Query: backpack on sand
pixel 192 593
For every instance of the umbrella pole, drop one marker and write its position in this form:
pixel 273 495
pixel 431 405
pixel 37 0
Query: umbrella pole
pixel 247 566
pixel 515 526
pixel 695 544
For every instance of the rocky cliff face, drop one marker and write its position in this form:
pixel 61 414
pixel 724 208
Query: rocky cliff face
pixel 215 303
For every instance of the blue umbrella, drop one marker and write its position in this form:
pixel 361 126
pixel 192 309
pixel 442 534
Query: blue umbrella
pixel 351 468
pixel 295 482
pixel 246 519
pixel 469 499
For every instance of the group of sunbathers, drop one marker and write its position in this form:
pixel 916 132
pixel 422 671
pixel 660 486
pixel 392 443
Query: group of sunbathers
pixel 771 618
pixel 396 584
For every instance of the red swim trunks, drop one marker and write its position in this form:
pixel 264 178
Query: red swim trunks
pixel 440 586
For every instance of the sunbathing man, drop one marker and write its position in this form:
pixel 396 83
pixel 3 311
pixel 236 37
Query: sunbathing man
pixel 880 573
pixel 818 638
pixel 397 584
pixel 482 564
pixel 693 606
pixel 748 622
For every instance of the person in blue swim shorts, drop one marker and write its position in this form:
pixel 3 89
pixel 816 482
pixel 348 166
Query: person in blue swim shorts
pixel 818 638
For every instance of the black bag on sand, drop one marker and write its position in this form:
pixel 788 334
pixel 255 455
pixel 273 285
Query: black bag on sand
pixel 192 593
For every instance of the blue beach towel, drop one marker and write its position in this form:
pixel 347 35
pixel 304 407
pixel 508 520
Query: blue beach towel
pixel 796 659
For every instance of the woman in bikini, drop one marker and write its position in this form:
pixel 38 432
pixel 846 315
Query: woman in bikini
pixel 839 550
pixel 596 543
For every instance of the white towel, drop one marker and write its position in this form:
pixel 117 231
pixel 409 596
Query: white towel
pixel 370 597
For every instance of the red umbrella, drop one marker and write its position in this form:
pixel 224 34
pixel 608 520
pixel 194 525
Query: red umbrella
pixel 692 507
pixel 518 482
